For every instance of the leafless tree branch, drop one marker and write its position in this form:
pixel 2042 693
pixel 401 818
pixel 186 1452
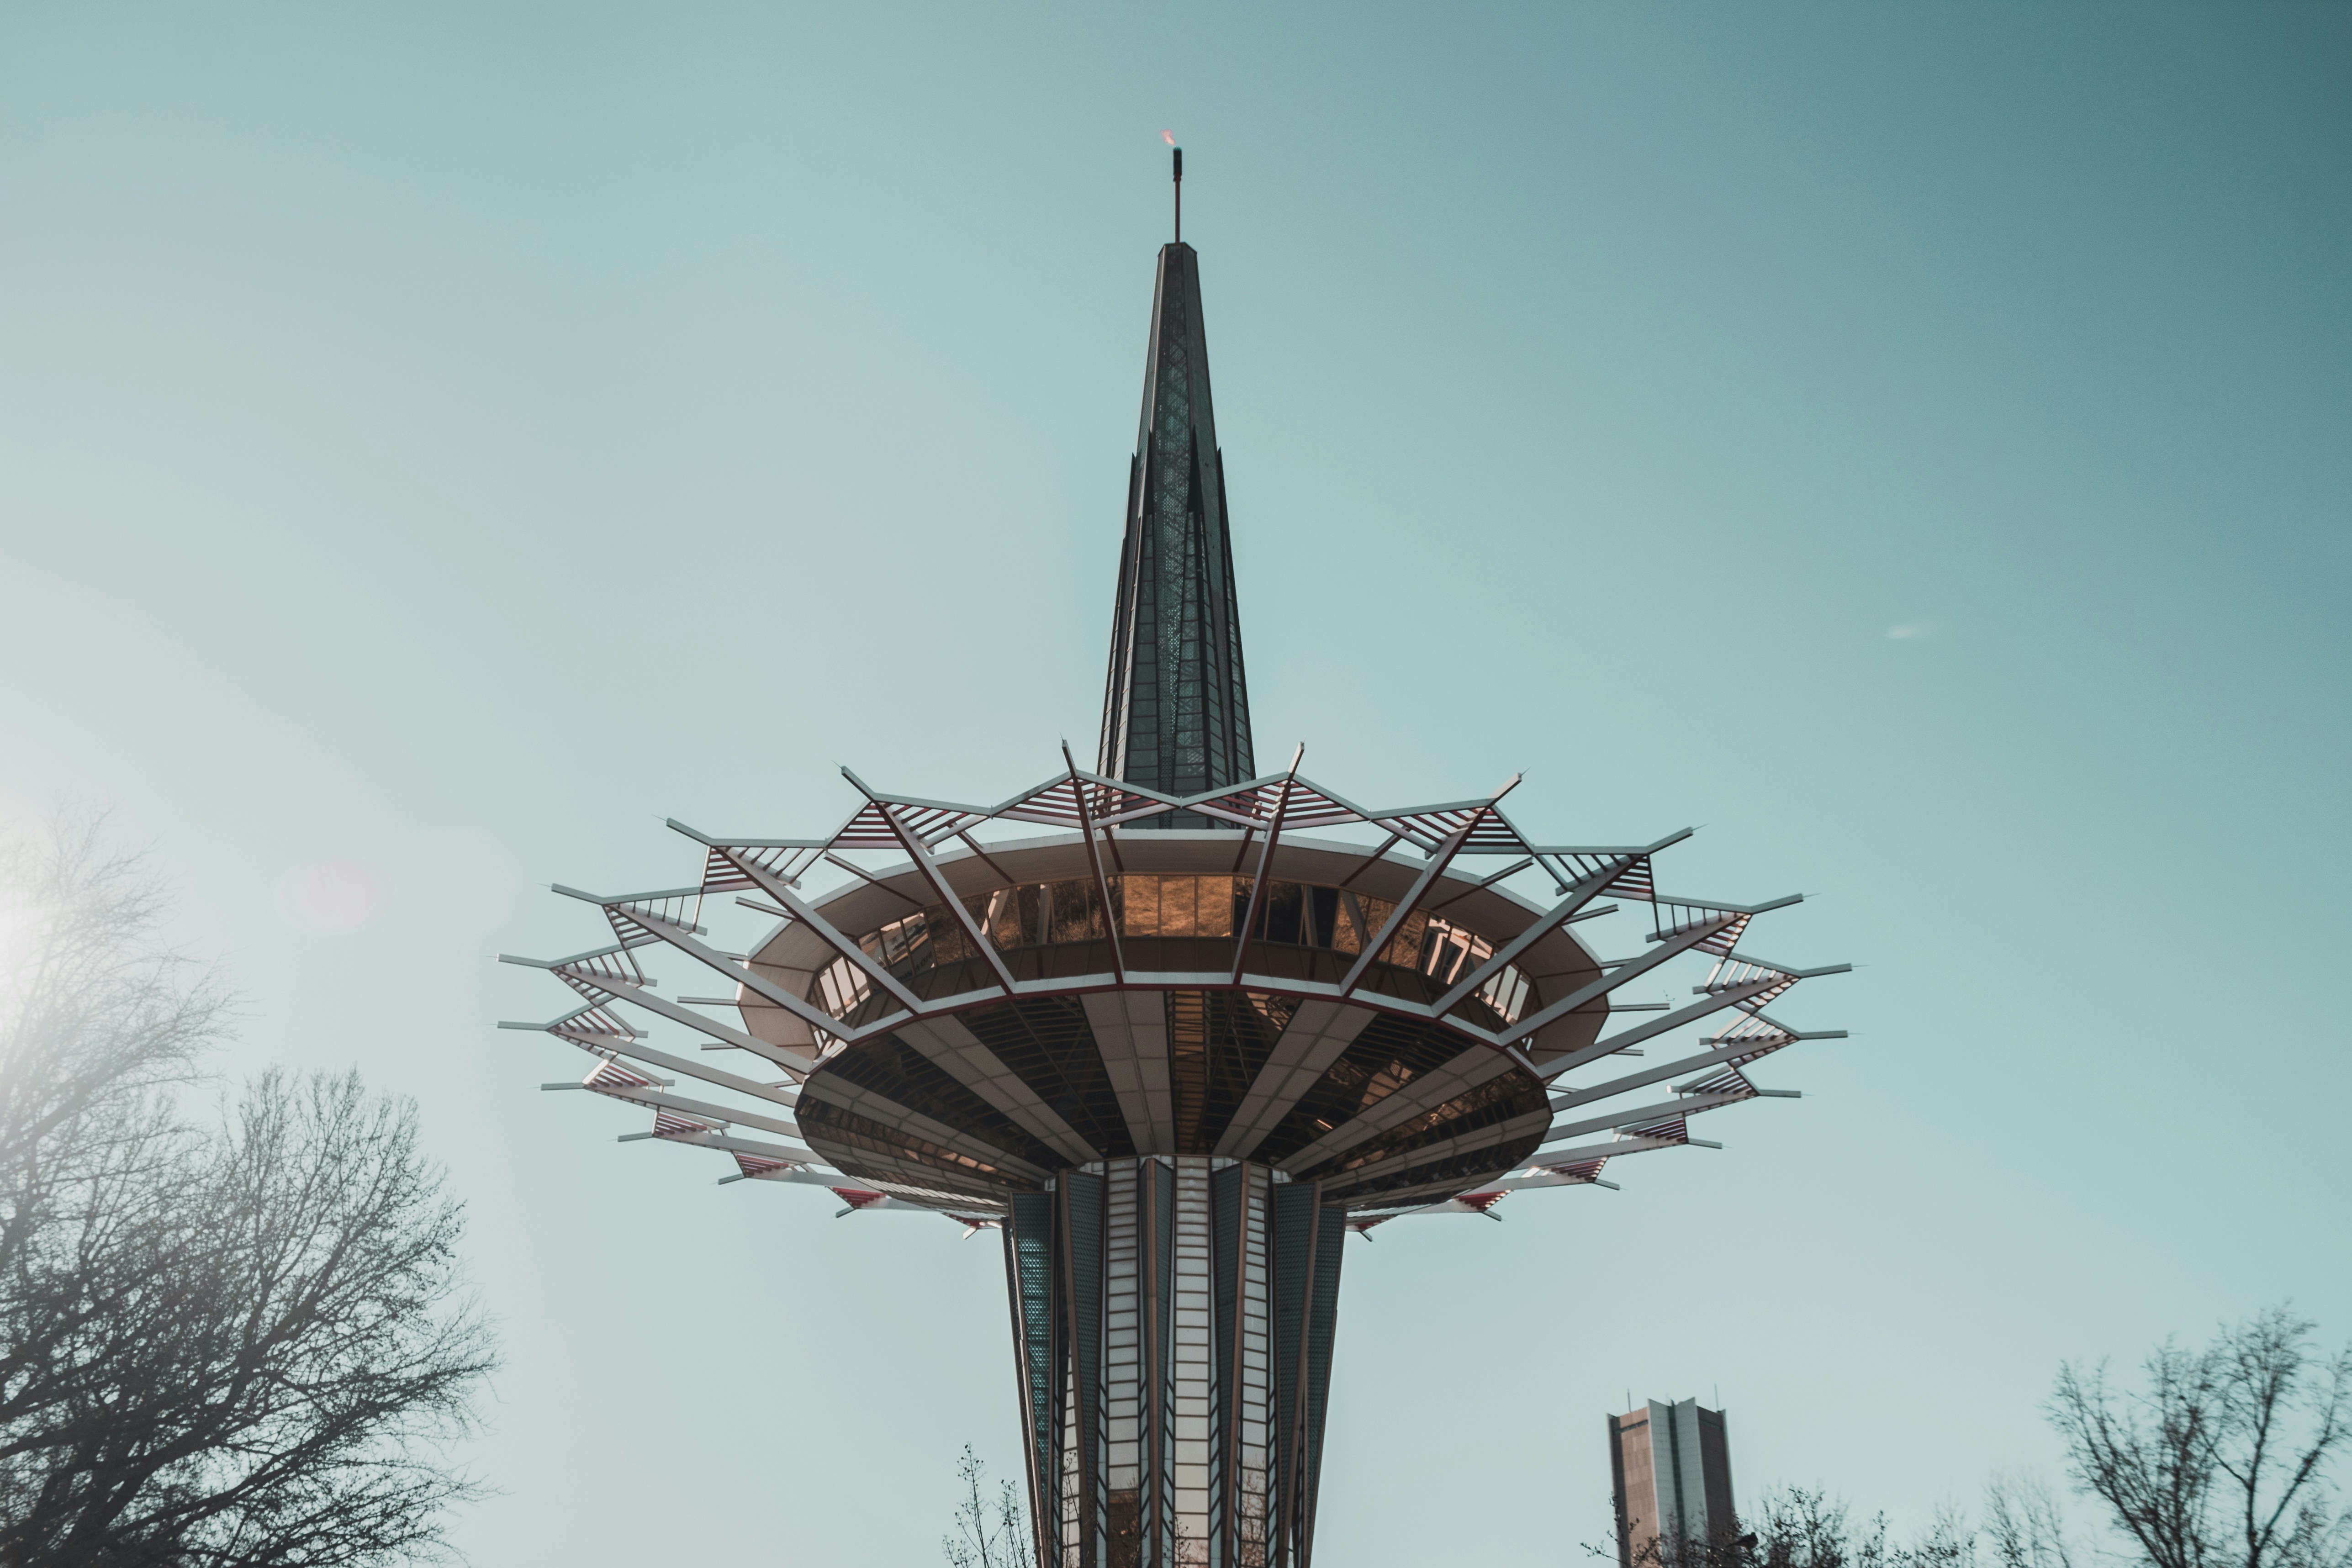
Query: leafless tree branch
pixel 239 1343
pixel 2223 1459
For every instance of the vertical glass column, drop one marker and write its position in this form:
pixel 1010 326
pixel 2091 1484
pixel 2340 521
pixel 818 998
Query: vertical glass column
pixel 1254 1401
pixel 1173 1322
pixel 1194 1374
pixel 1123 1391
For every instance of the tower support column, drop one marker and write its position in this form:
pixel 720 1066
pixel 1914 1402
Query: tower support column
pixel 1173 1319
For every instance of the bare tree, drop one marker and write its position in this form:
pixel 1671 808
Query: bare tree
pixel 97 1015
pixel 244 1343
pixel 2023 1521
pixel 2224 1458
pixel 987 1534
pixel 1808 1527
pixel 1792 1527
pixel 1800 1527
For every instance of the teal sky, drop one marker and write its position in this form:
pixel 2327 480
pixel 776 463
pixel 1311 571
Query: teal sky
pixel 1911 442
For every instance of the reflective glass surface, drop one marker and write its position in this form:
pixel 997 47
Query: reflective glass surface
pixel 897 1072
pixel 843 1134
pixel 1498 1101
pixel 1217 1043
pixel 1175 924
pixel 1389 1053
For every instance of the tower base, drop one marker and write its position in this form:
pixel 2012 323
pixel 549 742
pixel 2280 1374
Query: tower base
pixel 1172 1318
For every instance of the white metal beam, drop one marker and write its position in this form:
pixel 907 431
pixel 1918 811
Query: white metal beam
pixel 1440 858
pixel 1551 920
pixel 1094 861
pixel 684 1066
pixel 1264 860
pixel 1318 1032
pixel 920 854
pixel 833 937
pixel 1730 997
pixel 1672 946
pixel 684 939
pixel 1688 1106
pixel 1643 1079
pixel 661 1099
pixel 1130 1030
pixel 654 1002
pixel 1608 1151
pixel 964 1056
pixel 735 1146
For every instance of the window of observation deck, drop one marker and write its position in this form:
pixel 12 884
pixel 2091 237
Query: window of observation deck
pixel 1181 923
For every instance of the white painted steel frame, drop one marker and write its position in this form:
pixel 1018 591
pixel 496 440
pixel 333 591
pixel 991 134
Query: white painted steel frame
pixel 1135 1048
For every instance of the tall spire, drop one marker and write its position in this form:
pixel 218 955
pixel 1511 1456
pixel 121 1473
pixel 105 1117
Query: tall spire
pixel 1176 706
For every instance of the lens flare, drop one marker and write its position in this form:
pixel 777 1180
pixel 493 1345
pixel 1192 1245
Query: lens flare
pixel 331 896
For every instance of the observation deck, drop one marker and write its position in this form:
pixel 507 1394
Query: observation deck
pixel 1168 1052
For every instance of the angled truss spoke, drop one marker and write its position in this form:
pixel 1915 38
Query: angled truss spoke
pixel 604 988
pixel 594 1027
pixel 752 1166
pixel 1733 1082
pixel 637 1049
pixel 1643 1116
pixel 846 947
pixel 1568 864
pixel 1116 803
pixel 1094 864
pixel 686 940
pixel 1734 970
pixel 739 866
pixel 632 915
pixel 1749 996
pixel 613 1081
pixel 1264 860
pixel 1301 803
pixel 1362 1221
pixel 1107 799
pixel 593 966
pixel 884 820
pixel 1587 1174
pixel 1309 809
pixel 677 1131
pixel 1669 1135
pixel 1674 946
pixel 1060 804
pixel 1441 856
pixel 1371 860
pixel 1749 985
pixel 1758 1035
pixel 919 852
pixel 1428 826
pixel 1728 921
pixel 1484 882
pixel 1495 835
pixel 862 875
pixel 1595 881
pixel 1734 1048
pixel 1253 802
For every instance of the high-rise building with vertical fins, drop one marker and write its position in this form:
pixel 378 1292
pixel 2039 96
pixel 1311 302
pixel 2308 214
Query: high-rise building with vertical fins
pixel 1176 706
pixel 1670 1478
pixel 1173 1032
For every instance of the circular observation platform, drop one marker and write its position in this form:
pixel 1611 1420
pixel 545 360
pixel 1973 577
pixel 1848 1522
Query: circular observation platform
pixel 1153 1043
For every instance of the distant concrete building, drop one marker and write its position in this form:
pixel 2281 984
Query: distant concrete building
pixel 1671 1469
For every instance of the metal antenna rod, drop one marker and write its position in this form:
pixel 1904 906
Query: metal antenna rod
pixel 1179 196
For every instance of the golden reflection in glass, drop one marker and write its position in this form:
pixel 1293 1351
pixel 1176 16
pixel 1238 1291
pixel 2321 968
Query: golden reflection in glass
pixel 1305 914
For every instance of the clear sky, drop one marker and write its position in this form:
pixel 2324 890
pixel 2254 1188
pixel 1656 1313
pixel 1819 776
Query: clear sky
pixel 1909 442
